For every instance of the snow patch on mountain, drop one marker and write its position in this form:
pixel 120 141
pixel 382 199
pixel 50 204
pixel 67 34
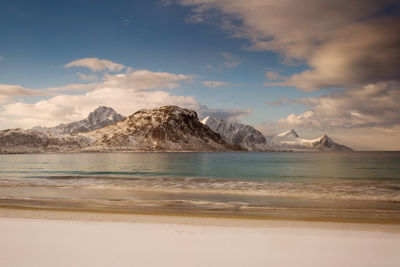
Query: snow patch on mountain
pixel 290 140
pixel 168 128
pixel 99 118
pixel 237 134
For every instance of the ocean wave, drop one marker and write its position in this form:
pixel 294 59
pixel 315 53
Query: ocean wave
pixel 388 191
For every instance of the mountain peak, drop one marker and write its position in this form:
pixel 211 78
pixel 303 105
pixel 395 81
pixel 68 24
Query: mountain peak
pixel 100 117
pixel 289 134
pixel 204 121
pixel 102 114
pixel 168 128
pixel 236 133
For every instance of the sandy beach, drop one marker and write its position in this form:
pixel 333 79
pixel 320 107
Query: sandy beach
pixel 77 238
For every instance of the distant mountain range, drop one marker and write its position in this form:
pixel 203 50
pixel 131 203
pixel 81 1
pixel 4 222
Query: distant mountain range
pixel 99 118
pixel 238 134
pixel 253 140
pixel 168 128
pixel 290 140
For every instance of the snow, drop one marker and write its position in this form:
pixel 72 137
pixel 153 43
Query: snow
pixel 252 140
pixel 100 117
pixel 168 128
pixel 237 134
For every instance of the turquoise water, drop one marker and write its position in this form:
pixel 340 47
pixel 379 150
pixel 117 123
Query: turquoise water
pixel 357 184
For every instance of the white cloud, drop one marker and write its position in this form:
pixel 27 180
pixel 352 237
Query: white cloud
pixel 274 75
pixel 215 84
pixel 365 118
pixel 7 92
pixel 373 105
pixel 145 79
pixel 76 87
pixel 126 93
pixel 133 80
pixel 225 114
pixel 96 64
pixel 67 108
pixel 18 90
pixel 231 60
pixel 87 77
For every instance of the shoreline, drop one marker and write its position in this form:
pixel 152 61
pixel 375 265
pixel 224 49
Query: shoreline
pixel 196 219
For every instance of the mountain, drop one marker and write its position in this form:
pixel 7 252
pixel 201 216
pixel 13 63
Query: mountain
pixel 32 141
pixel 237 134
pixel 290 140
pixel 99 118
pixel 252 140
pixel 168 128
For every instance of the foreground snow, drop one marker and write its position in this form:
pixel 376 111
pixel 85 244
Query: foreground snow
pixel 192 242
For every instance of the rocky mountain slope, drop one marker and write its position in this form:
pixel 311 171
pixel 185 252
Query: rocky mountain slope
pixel 168 128
pixel 99 118
pixel 238 134
pixel 32 141
pixel 253 140
pixel 290 140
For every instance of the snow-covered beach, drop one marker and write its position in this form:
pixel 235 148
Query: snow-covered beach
pixel 73 238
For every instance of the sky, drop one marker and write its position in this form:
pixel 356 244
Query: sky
pixel 319 67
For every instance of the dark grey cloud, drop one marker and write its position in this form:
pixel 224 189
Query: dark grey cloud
pixel 344 42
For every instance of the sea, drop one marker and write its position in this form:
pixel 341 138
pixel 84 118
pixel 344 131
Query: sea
pixel 291 185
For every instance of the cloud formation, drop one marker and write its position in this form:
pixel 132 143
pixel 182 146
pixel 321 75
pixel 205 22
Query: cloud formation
pixel 18 90
pixel 145 79
pixel 215 84
pixel 87 77
pixel 373 105
pixel 96 64
pixel 231 60
pixel 344 42
pixel 274 75
pixel 225 114
pixel 131 80
pixel 125 92
pixel 7 92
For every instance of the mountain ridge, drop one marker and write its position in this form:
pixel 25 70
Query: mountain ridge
pixel 102 116
pixel 251 139
pixel 237 134
pixel 167 128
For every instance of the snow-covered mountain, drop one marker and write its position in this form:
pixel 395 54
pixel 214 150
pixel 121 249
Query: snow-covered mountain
pixel 237 134
pixel 32 141
pixel 168 128
pixel 99 118
pixel 252 140
pixel 290 140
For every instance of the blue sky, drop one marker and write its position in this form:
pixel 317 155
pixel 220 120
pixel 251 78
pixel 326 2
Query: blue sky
pixel 41 37
pixel 225 41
